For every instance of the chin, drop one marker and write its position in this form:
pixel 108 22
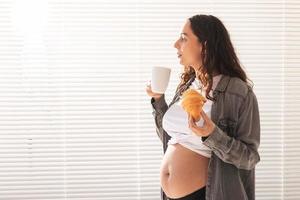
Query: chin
pixel 182 63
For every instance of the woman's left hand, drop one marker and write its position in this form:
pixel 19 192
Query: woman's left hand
pixel 206 129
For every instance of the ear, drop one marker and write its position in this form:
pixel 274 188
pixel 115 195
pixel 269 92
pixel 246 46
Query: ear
pixel 204 47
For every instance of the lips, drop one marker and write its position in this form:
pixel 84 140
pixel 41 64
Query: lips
pixel 179 55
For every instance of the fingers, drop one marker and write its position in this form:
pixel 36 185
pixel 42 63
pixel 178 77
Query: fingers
pixel 199 131
pixel 209 124
pixel 148 88
pixel 192 126
pixel 204 115
pixel 191 121
pixel 148 83
pixel 150 92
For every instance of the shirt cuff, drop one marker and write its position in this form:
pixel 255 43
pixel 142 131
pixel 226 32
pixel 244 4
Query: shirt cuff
pixel 215 139
pixel 159 103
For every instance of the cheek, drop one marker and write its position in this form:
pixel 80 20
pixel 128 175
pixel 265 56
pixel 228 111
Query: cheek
pixel 193 55
pixel 199 57
pixel 196 54
pixel 187 50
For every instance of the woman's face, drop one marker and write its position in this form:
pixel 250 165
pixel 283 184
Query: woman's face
pixel 188 47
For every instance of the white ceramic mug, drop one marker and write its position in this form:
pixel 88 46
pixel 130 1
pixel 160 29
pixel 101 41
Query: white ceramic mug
pixel 160 79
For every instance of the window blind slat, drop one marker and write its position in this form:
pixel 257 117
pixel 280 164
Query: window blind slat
pixel 75 121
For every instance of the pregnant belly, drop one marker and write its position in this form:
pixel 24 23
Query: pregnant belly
pixel 182 171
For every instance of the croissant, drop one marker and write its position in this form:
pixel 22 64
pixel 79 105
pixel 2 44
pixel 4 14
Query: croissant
pixel 192 103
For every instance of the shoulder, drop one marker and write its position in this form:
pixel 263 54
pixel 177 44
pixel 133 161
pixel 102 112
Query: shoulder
pixel 238 87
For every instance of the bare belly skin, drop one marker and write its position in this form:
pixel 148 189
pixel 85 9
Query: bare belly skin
pixel 182 171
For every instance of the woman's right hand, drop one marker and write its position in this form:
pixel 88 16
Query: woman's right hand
pixel 150 93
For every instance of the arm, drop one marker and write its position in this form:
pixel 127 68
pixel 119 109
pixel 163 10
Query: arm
pixel 242 150
pixel 159 109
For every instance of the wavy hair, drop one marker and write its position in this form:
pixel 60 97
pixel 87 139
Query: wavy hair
pixel 217 55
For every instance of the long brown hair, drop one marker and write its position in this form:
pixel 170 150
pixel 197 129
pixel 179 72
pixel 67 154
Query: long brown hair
pixel 218 54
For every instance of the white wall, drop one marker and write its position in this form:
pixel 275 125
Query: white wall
pixel 75 120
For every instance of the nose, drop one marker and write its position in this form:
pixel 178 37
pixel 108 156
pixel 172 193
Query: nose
pixel 176 44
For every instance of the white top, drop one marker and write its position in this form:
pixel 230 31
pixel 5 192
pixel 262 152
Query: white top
pixel 175 123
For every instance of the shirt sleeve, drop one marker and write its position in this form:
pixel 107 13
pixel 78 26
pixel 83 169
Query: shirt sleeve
pixel 159 109
pixel 242 150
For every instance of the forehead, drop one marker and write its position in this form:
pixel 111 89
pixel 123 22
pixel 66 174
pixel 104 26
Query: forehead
pixel 186 25
pixel 187 28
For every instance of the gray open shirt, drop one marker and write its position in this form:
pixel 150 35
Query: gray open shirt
pixel 234 141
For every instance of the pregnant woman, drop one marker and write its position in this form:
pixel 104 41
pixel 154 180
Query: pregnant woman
pixel 213 158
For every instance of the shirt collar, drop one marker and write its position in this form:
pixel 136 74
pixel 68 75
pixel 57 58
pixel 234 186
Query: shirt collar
pixel 220 82
pixel 216 80
pixel 223 83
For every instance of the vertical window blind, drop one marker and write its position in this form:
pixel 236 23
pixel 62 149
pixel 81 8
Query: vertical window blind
pixel 75 120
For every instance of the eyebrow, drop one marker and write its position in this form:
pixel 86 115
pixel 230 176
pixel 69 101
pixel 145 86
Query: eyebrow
pixel 184 34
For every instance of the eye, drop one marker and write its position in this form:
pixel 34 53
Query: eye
pixel 182 38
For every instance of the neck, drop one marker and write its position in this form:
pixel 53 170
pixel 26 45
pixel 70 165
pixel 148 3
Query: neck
pixel 215 79
pixel 214 74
